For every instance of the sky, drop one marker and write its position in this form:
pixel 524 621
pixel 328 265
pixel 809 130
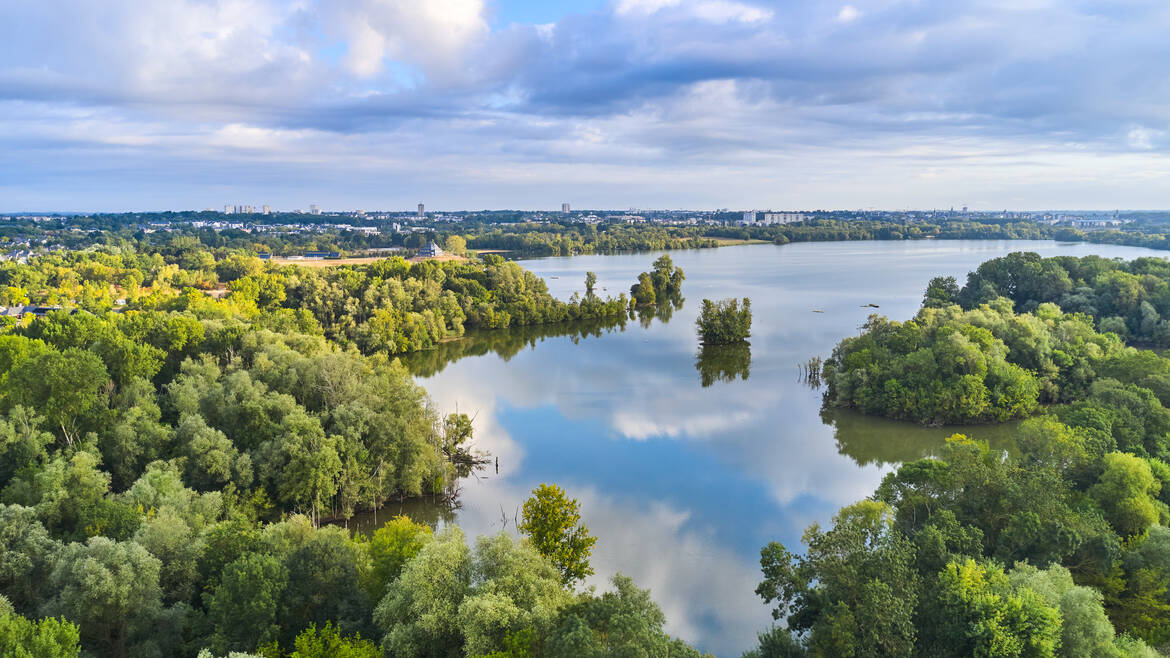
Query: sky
pixel 135 105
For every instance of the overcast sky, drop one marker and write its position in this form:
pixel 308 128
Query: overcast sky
pixel 468 104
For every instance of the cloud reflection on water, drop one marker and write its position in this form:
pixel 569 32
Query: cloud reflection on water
pixel 682 483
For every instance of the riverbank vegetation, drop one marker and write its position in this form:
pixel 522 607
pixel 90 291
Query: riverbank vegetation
pixel 950 366
pixel 170 452
pixel 389 306
pixel 828 230
pixel 1059 548
pixel 574 238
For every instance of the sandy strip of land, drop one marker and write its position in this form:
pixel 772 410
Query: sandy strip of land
pixel 442 259
pixel 731 242
pixel 327 262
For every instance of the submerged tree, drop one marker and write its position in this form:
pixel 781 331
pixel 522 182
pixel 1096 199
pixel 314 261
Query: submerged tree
pixel 725 322
pixel 664 281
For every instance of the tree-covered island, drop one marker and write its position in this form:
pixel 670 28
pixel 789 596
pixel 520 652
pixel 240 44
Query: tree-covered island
pixel 1058 548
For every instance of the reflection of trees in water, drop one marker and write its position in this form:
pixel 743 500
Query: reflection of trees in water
pixel 810 372
pixel 431 510
pixel 441 509
pixel 723 363
pixel 873 440
pixel 663 311
pixel 504 342
pixel 507 343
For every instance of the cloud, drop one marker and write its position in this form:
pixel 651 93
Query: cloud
pixel 433 35
pixel 624 7
pixel 704 586
pixel 631 103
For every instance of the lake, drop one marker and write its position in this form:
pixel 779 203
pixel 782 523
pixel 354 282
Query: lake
pixel 687 464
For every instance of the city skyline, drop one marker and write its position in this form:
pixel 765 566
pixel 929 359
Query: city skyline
pixel 1029 106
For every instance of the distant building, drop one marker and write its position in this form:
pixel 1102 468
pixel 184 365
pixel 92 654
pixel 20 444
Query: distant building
pixel 432 250
pixel 314 210
pixel 422 210
pixel 564 207
pixel 227 210
pixel 19 311
pixel 267 209
pixel 249 210
pixel 1096 223
pixel 772 218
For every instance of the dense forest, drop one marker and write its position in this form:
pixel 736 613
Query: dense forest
pixel 389 305
pixel 950 366
pixel 1059 548
pixel 1129 299
pixel 173 437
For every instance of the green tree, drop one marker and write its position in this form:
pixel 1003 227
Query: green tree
pixel 394 544
pixel 642 292
pixel 69 496
pixel 243 609
pixel 27 553
pixel 22 442
pixel 777 642
pixel 456 245
pixel 46 638
pixel 552 521
pixel 590 283
pixel 168 537
pixel 62 386
pixel 110 589
pixel 855 590
pixel 1127 491
pixel 323 585
pixel 978 613
pixel 311 466
pixel 623 622
pixel 328 643
pixel 420 612
pixel 451 601
pixel 941 291
pixel 1085 628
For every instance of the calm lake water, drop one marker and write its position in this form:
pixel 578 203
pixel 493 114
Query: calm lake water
pixel 682 482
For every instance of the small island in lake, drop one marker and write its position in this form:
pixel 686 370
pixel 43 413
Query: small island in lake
pixel 725 322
